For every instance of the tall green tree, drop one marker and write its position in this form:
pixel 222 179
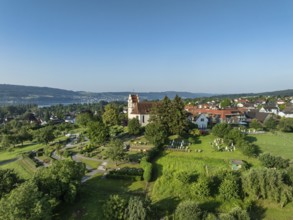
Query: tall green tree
pixel 270 124
pixel 161 114
pixel 115 150
pixel 25 202
pixel 178 117
pixel 61 180
pixel 83 119
pixel 188 210
pixel 255 124
pixel 156 134
pixel 221 130
pixel 114 208
pixel 133 126
pixel 98 132
pixel 286 124
pixel 137 209
pixel 45 135
pixel 111 115
pixel 230 188
pixel 9 181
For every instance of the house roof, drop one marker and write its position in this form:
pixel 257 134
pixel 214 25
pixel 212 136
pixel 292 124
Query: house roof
pixel 270 107
pixel 288 109
pixel 260 116
pixel 142 108
pixel 222 113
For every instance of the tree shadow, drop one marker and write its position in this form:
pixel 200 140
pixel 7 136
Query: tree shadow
pixel 210 206
pixel 165 207
pixel 257 212
pixel 250 139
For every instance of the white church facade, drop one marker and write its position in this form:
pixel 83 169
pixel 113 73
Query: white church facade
pixel 139 110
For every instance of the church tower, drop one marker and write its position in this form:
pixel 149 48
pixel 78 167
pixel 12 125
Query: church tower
pixel 132 101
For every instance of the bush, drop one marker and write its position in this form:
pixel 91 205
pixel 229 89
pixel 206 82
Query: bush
pixel 147 174
pixel 126 173
pixel 271 161
pixel 188 210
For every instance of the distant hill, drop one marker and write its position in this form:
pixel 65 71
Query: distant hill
pixel 287 92
pixel 15 94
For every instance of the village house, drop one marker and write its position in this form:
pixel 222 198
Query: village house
pixel 201 121
pixel 139 110
pixel 259 116
pixel 287 112
pixel 230 116
pixel 270 109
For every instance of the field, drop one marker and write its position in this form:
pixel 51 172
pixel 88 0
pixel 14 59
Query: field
pixel 13 160
pixel 279 143
pixel 167 191
pixel 93 195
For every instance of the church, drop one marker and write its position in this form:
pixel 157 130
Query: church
pixel 139 110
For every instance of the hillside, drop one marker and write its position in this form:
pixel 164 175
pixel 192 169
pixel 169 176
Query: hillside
pixel 15 94
pixel 287 92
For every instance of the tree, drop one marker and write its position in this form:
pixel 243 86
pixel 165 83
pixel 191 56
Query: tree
pixel 225 103
pixel 255 124
pixel 115 150
pixel 201 189
pixel 24 135
pixel 6 141
pixel 156 134
pixel 221 130
pixel 83 119
pixel 267 184
pixel 188 210
pixel 286 125
pixel 97 132
pixel 61 180
pixel 9 181
pixel 270 124
pixel 137 209
pixel 161 114
pixel 133 126
pixel 235 214
pixel 178 117
pixel 25 202
pixel 230 188
pixel 111 115
pixel 271 161
pixel 45 135
pixel 114 208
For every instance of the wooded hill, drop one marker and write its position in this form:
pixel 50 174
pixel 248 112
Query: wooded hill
pixel 16 94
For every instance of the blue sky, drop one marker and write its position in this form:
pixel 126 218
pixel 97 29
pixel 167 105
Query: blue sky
pixel 217 46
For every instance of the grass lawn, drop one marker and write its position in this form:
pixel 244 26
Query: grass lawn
pixel 93 195
pixel 167 191
pixel 24 167
pixel 278 144
pixel 17 151
pixel 273 211
pixel 91 163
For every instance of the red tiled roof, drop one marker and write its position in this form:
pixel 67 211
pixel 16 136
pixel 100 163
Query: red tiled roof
pixel 223 113
pixel 143 108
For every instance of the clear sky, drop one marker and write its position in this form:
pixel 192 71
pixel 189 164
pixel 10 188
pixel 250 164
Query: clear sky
pixel 217 46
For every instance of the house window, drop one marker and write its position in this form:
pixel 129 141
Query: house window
pixel 143 119
pixel 202 119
